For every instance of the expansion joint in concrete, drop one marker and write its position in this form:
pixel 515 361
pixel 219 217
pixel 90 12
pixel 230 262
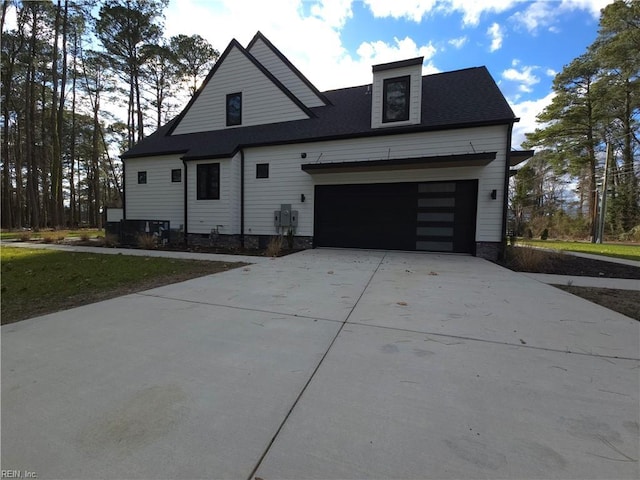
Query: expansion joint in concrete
pixel 284 421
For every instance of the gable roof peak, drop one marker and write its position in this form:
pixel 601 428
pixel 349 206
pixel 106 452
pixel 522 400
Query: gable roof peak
pixel 259 36
pixel 234 44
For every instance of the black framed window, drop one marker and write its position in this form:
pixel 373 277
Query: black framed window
pixel 262 170
pixel 142 177
pixel 208 179
pixel 176 175
pixel 234 109
pixel 395 93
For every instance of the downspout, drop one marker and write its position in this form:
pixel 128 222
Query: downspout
pixel 186 217
pixel 505 198
pixel 242 198
pixel 124 190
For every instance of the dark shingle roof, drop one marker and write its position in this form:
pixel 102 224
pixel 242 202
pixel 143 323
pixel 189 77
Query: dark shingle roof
pixel 462 98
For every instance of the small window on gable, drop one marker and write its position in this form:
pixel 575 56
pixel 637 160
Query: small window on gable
pixel 142 177
pixel 176 175
pixel 208 179
pixel 234 109
pixel 262 170
pixel 395 98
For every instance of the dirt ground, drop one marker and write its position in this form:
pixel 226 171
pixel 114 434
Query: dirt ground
pixel 626 302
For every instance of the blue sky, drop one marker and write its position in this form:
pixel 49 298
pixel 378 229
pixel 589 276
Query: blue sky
pixel 335 42
pixel 523 43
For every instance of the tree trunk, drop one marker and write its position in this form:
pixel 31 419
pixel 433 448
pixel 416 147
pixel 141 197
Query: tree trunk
pixel 138 105
pixel 61 105
pixel 55 202
pixel 33 214
pixel 72 138
pixel 630 185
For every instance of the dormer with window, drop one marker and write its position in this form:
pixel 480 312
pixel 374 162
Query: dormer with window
pixel 397 93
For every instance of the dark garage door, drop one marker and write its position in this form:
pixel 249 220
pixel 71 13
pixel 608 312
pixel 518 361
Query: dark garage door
pixel 433 216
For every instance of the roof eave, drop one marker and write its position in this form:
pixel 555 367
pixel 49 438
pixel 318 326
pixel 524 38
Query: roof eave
pixel 370 133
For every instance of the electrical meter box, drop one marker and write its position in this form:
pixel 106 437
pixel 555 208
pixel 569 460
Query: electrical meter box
pixel 285 217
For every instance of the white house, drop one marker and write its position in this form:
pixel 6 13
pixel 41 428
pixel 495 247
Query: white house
pixel 407 162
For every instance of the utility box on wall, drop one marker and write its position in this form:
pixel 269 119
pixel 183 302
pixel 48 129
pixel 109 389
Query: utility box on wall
pixel 131 229
pixel 285 217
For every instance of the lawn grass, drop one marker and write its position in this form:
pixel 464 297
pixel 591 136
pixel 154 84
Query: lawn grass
pixel 630 252
pixel 35 281
pixel 75 233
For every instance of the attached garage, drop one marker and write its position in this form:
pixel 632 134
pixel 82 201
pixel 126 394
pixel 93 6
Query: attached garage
pixel 429 216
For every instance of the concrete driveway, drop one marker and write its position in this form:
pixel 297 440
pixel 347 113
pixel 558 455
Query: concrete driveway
pixel 327 364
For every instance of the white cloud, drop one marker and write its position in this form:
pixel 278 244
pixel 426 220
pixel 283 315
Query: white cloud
pixel 591 6
pixel 496 34
pixel 527 111
pixel 381 52
pixel 309 37
pixel 472 10
pixel 525 76
pixel 550 72
pixel 334 12
pixel 545 14
pixel 458 42
pixel 410 9
pixel 415 10
pixel 536 15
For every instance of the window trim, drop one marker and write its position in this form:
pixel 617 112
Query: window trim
pixel 406 79
pixel 261 173
pixel 175 171
pixel 206 169
pixel 142 177
pixel 231 121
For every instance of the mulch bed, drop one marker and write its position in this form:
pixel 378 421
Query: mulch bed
pixel 565 264
pixel 626 302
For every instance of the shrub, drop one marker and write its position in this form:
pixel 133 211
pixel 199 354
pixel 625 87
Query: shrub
pixel 109 240
pixel 528 234
pixel 531 259
pixel 545 234
pixel 85 237
pixel 147 241
pixel 632 235
pixel 24 236
pixel 274 247
pixel 53 237
pixel 290 239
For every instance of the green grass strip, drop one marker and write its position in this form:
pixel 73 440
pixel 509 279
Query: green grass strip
pixel 89 232
pixel 630 252
pixel 37 281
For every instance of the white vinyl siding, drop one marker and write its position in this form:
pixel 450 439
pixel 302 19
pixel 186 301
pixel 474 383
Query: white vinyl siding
pixel 287 181
pixel 282 72
pixel 415 99
pixel 262 101
pixel 205 215
pixel 159 198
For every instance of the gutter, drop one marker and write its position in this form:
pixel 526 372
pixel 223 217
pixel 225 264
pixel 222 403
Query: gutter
pixel 124 190
pixel 186 211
